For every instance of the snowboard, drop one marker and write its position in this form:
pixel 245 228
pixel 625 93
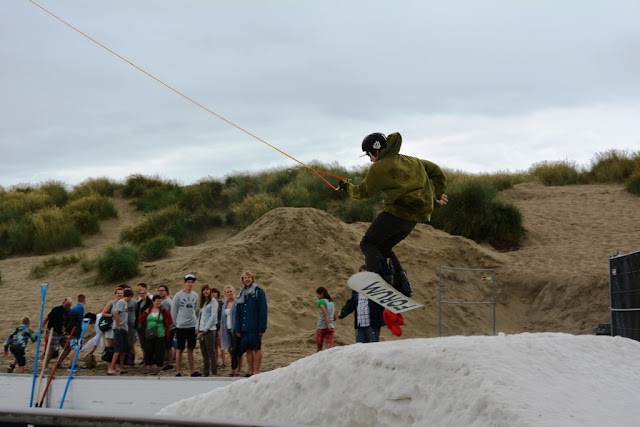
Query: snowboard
pixel 374 287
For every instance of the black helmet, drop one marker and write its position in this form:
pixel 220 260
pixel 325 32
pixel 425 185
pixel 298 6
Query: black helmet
pixel 374 142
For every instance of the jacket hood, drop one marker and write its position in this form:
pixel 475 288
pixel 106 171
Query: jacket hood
pixel 394 142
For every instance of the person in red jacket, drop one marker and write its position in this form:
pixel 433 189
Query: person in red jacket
pixel 155 322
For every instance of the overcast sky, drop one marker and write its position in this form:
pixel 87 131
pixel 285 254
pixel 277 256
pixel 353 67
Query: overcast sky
pixel 480 86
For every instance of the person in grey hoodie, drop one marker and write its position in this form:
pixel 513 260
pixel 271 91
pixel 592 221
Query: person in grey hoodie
pixel 183 312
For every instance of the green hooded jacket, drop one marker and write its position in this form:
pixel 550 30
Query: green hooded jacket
pixel 410 184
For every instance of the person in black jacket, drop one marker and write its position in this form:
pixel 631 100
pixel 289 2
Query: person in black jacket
pixel 54 321
pixel 368 318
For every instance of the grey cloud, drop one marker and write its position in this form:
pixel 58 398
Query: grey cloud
pixel 310 76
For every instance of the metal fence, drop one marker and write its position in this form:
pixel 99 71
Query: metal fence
pixel 462 287
pixel 624 291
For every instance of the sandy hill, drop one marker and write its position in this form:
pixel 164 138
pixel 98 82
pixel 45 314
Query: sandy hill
pixel 557 281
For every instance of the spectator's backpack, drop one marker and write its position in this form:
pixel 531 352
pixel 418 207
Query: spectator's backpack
pixel 71 318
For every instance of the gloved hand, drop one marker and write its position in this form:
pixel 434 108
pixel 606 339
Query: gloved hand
pixel 343 183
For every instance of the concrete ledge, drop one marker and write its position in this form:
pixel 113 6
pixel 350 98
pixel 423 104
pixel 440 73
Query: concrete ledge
pixel 139 395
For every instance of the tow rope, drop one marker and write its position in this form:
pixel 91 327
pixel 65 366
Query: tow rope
pixel 314 170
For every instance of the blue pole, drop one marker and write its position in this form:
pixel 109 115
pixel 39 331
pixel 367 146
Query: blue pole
pixel 85 323
pixel 43 291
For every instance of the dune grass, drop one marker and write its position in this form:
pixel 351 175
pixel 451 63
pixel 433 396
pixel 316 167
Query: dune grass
pixel 633 184
pixel 46 218
pixel 56 191
pixel 157 247
pixel 40 270
pixel 136 185
pixel 252 195
pixel 46 230
pixel 558 173
pixel 182 225
pixel 15 204
pixel 51 230
pixel 607 166
pixel 182 213
pixel 87 212
pixel 118 263
pixel 614 166
pixel 474 212
pixel 92 186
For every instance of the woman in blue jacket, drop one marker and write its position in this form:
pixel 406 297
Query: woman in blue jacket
pixel 251 321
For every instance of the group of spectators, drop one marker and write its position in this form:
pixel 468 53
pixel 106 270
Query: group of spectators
pixel 164 325
pixel 65 324
pixel 226 326
pixel 168 325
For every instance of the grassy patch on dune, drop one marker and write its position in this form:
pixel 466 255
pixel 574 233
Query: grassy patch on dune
pixel 40 270
pixel 46 218
pixel 607 166
pixel 252 195
pixel 633 184
pixel 95 186
pixel 474 212
pixel 118 263
pixel 614 166
pixel 182 213
pixel 157 248
pixel 558 173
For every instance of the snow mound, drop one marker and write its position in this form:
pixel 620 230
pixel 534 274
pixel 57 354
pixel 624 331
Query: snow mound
pixel 545 379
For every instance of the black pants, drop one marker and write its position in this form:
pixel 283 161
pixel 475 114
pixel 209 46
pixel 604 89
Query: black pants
pixel 383 234
pixel 154 351
pixel 235 350
pixel 18 353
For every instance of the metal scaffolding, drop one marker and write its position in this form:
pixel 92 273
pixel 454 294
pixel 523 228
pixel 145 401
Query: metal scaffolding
pixel 466 286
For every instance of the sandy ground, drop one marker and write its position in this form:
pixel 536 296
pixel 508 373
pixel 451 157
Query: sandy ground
pixel 556 282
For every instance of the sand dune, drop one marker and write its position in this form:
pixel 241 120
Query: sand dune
pixel 557 281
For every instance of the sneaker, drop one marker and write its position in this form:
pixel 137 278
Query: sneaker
pixel 75 368
pixel 178 374
pixel 385 269
pixel 167 367
pixel 196 374
pixel 11 368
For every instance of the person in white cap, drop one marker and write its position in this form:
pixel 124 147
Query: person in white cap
pixel 183 312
